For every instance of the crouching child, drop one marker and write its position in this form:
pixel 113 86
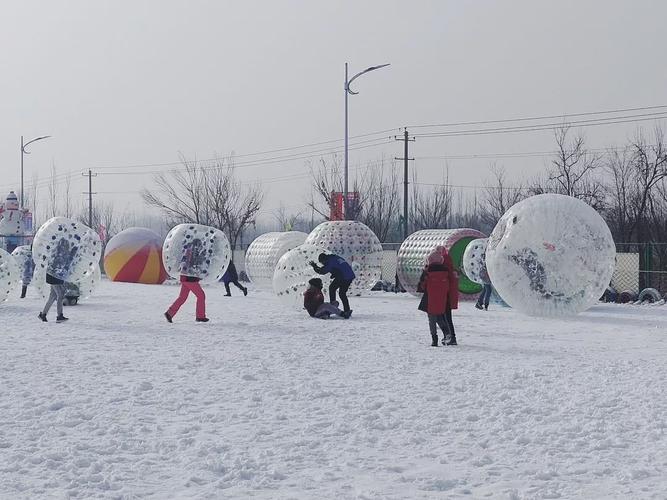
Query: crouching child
pixel 313 301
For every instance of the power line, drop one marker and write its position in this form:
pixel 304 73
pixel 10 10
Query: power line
pixel 534 118
pixel 548 126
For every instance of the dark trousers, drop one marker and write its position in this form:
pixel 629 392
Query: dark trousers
pixel 24 289
pixel 441 321
pixel 235 282
pixel 485 296
pixel 342 286
pixel 450 323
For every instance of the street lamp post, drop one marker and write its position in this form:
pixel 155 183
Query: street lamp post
pixel 24 152
pixel 350 91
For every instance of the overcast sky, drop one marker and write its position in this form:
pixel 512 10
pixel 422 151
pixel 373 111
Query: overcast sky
pixel 125 83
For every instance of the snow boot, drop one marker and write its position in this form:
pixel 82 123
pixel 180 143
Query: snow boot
pixel 61 319
pixel 245 292
pixel 227 295
pixel 434 342
pixel 347 314
pixel 452 340
pixel 202 320
pixel 24 289
pixel 478 306
pixel 42 316
pixel 168 316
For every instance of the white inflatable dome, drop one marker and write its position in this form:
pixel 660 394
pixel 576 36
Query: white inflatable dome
pixel 264 253
pixel 290 279
pixel 9 275
pixel 551 255
pixel 357 244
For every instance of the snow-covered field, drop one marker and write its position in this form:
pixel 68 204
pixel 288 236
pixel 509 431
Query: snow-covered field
pixel 264 402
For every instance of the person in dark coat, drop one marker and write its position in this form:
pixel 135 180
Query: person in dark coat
pixel 434 284
pixel 453 295
pixel 313 301
pixel 232 276
pixel 26 273
pixel 193 258
pixel 342 275
pixel 485 296
pixel 60 266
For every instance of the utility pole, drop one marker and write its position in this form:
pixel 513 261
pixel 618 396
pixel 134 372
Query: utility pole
pixel 406 158
pixel 90 194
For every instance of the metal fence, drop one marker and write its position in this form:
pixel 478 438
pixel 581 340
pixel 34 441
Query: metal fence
pixel 648 261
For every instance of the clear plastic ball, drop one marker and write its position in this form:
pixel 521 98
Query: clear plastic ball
pixel 39 284
pixel 9 275
pixel 265 251
pixel 66 249
pixel 197 251
pixel 89 283
pixel 23 257
pixel 292 273
pixel 357 244
pixel 551 255
pixel 474 261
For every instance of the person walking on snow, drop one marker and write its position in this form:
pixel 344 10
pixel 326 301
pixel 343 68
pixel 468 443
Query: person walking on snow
pixel 434 284
pixel 64 256
pixel 485 296
pixel 313 301
pixel 27 272
pixel 193 258
pixel 453 294
pixel 232 276
pixel 342 275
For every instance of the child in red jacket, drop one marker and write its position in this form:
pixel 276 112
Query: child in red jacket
pixel 313 301
pixel 435 284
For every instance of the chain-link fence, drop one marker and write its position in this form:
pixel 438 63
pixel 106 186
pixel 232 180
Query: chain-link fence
pixel 640 266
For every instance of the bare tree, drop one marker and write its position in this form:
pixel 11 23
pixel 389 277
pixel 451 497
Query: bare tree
pixel 54 193
pixel 206 194
pixel 381 200
pixel 430 206
pixel 573 168
pixel 498 197
pixel 287 221
pixel 328 179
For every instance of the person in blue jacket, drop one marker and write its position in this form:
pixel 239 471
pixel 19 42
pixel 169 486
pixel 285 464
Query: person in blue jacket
pixel 342 276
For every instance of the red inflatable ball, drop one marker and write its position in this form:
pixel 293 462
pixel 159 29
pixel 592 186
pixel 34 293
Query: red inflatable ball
pixel 135 256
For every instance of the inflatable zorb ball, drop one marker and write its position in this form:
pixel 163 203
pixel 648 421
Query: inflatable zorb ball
pixel 292 273
pixel 265 251
pixel 357 244
pixel 23 257
pixel 197 251
pixel 9 275
pixel 89 283
pixel 411 258
pixel 551 255
pixel 66 249
pixel 474 261
pixel 135 256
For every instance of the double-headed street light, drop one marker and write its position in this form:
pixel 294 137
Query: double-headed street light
pixel 348 90
pixel 24 152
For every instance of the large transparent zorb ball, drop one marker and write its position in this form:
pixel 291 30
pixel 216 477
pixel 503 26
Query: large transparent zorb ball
pixel 66 249
pixel 551 255
pixel 357 244
pixel 474 261
pixel 197 251
pixel 411 258
pixel 264 253
pixel 23 257
pixel 89 283
pixel 293 271
pixel 9 275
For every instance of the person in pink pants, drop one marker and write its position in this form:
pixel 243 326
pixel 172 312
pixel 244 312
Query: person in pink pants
pixel 192 259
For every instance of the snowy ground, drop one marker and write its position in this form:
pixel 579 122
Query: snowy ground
pixel 267 403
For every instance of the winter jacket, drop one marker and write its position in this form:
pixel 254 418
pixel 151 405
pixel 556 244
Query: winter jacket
pixel 337 266
pixel 28 270
pixel 435 283
pixel 453 294
pixel 52 280
pixel 312 299
pixel 231 274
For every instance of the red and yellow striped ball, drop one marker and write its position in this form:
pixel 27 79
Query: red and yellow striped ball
pixel 135 256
